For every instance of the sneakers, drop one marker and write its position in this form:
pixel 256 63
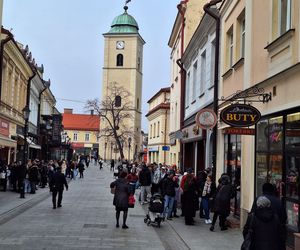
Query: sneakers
pixel 208 221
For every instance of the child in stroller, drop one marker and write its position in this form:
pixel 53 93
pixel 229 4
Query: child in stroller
pixel 155 210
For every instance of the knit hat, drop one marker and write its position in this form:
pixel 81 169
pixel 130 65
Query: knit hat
pixel 263 202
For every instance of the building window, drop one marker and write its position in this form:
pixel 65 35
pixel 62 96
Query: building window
pixel 212 63
pixel 229 51
pixel 154 130
pixel 187 90
pixel 158 128
pixel 137 103
pixel 119 60
pixel 242 36
pixel 281 17
pixel 87 137
pixel 195 67
pixel 139 63
pixel 150 135
pixel 75 137
pixel 203 72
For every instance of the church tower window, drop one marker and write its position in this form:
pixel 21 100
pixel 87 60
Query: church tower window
pixel 120 60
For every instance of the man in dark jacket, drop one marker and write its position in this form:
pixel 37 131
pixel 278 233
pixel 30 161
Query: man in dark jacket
pixel 145 182
pixel 266 226
pixel 169 185
pixel 80 168
pixel 57 183
pixel 269 192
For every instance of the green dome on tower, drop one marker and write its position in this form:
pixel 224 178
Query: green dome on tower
pixel 124 23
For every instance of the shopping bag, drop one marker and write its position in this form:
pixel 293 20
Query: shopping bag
pixel 131 201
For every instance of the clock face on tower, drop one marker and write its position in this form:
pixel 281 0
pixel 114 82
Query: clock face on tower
pixel 120 45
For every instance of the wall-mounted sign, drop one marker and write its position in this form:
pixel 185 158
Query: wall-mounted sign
pixel 165 148
pixel 240 115
pixel 206 119
pixel 153 149
pixel 4 127
pixel 239 131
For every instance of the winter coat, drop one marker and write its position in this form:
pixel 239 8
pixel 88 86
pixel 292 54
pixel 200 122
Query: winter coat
pixel 121 193
pixel 190 200
pixel 168 187
pixel 276 206
pixel 80 167
pixel 58 181
pixel 145 177
pixel 222 200
pixel 267 230
pixel 33 173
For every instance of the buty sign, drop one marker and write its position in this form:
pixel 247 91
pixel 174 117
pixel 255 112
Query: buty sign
pixel 240 115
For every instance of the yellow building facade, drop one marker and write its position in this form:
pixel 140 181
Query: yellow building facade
pixel 159 124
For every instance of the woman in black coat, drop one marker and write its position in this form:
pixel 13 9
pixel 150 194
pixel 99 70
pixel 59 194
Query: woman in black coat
pixel 267 229
pixel 222 202
pixel 121 196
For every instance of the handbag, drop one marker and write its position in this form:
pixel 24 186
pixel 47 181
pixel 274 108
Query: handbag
pixel 131 201
pixel 247 244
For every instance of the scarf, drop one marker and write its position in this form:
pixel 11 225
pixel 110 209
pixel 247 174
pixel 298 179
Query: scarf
pixel 206 189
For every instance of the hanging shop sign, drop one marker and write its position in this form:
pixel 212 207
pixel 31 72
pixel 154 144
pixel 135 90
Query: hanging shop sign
pixel 206 119
pixel 240 115
pixel 239 131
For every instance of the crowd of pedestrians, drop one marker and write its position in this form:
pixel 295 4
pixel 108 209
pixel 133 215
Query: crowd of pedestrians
pixel 191 193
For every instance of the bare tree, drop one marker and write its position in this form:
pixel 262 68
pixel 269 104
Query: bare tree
pixel 117 119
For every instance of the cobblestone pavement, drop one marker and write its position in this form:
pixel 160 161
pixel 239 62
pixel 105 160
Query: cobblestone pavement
pixel 87 221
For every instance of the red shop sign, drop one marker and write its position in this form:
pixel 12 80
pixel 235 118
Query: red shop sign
pixel 4 127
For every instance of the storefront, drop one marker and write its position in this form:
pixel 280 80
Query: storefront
pixel 278 161
pixel 8 146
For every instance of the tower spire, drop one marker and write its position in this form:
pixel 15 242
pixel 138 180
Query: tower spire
pixel 125 6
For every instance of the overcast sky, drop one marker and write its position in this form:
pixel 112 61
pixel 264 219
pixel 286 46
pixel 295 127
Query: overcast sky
pixel 66 36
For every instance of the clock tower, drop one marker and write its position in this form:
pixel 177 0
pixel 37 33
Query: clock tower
pixel 123 64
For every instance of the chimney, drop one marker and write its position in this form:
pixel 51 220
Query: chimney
pixel 68 111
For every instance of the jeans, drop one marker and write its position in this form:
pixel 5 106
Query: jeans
pixel 147 190
pixel 169 200
pixel 205 205
pixel 27 186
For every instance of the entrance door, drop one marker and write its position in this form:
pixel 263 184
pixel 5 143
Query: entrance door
pixel 200 156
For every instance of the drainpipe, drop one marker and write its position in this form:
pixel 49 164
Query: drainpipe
pixel 182 74
pixel 216 16
pixel 182 102
pixel 3 42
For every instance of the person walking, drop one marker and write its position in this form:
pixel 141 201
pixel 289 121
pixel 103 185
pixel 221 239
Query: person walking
pixel 207 195
pixel 132 179
pixel 56 184
pixel 145 182
pixel 101 163
pixel 266 228
pixel 33 176
pixel 222 202
pixel 80 168
pixel 121 196
pixel 112 165
pixel 169 185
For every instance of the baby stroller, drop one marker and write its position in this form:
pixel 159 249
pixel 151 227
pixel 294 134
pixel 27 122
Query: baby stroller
pixel 155 210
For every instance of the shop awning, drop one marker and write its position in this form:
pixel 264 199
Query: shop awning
pixel 30 143
pixel 7 142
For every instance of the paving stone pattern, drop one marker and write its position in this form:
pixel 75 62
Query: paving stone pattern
pixel 87 221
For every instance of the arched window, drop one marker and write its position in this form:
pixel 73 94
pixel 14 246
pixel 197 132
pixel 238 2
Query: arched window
pixel 119 60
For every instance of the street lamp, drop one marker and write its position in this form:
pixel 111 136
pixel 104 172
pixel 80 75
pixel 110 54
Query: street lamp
pixel 129 145
pixel 105 146
pixel 26 113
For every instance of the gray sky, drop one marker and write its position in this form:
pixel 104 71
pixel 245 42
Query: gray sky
pixel 66 36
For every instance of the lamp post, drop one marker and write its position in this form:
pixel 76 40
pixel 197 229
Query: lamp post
pixel 129 145
pixel 105 147
pixel 26 113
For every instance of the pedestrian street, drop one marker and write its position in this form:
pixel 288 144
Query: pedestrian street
pixel 86 220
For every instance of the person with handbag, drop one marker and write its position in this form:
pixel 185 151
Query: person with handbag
pixel 263 229
pixel 121 190
pixel 208 192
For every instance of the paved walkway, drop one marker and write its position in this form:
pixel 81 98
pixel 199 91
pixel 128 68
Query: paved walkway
pixel 87 221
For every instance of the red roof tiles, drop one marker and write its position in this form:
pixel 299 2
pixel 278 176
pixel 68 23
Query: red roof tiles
pixel 81 122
